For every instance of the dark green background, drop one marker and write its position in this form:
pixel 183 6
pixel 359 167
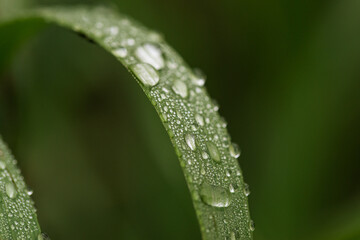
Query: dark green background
pixel 286 74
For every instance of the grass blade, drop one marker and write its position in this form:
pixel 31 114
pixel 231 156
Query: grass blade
pixel 17 213
pixel 198 133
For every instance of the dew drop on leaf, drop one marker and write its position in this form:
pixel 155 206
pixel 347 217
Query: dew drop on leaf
pixel 246 189
pixel 146 73
pixel 2 165
pixel 180 88
pixel 234 150
pixel 114 30
pixel 199 119
pixel 43 236
pixel 29 191
pixel 205 155
pixel 10 190
pixel 120 52
pixel 199 77
pixel 252 225
pixel 231 188
pixel 190 141
pixel 213 150
pixel 151 54
pixel 215 196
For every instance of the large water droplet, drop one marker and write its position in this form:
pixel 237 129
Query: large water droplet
pixel 180 88
pixel 146 73
pixel 2 165
pixel 214 152
pixel 10 190
pixel 190 141
pixel 214 195
pixel 234 150
pixel 151 54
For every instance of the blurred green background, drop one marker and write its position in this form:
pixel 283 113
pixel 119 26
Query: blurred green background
pixel 286 74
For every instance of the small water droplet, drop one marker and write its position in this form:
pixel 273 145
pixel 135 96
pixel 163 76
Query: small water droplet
pixel 114 30
pixel 146 73
pixel 43 236
pixel 180 88
pixel 29 191
pixel 205 155
pixel 231 188
pixel 252 225
pixel 10 190
pixel 202 171
pixel 190 141
pixel 214 151
pixel 129 42
pixel 214 196
pixel 199 77
pixel 120 52
pixel 246 189
pixel 2 165
pixel 234 150
pixel 215 105
pixel 151 54
pixel 199 119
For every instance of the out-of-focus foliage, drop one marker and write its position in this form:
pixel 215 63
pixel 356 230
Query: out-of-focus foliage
pixel 286 75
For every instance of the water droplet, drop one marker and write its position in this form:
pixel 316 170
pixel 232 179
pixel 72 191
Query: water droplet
pixel 190 141
pixel 202 171
pixel 246 189
pixel 29 191
pixel 252 225
pixel 114 30
pixel 129 42
pixel 214 195
pixel 199 119
pixel 205 155
pixel 199 77
pixel 120 52
pixel 151 54
pixel 10 190
pixel 234 150
pixel 180 88
pixel 43 236
pixel 231 188
pixel 2 165
pixel 146 73
pixel 214 152
pixel 215 105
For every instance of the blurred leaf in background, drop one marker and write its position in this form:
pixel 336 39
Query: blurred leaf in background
pixel 286 75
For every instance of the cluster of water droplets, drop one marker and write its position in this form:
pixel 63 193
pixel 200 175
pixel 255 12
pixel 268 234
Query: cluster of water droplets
pixel 199 134
pixel 17 213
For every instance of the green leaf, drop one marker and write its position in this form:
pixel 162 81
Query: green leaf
pixel 198 133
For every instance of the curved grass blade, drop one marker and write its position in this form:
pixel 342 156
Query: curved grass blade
pixel 198 133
